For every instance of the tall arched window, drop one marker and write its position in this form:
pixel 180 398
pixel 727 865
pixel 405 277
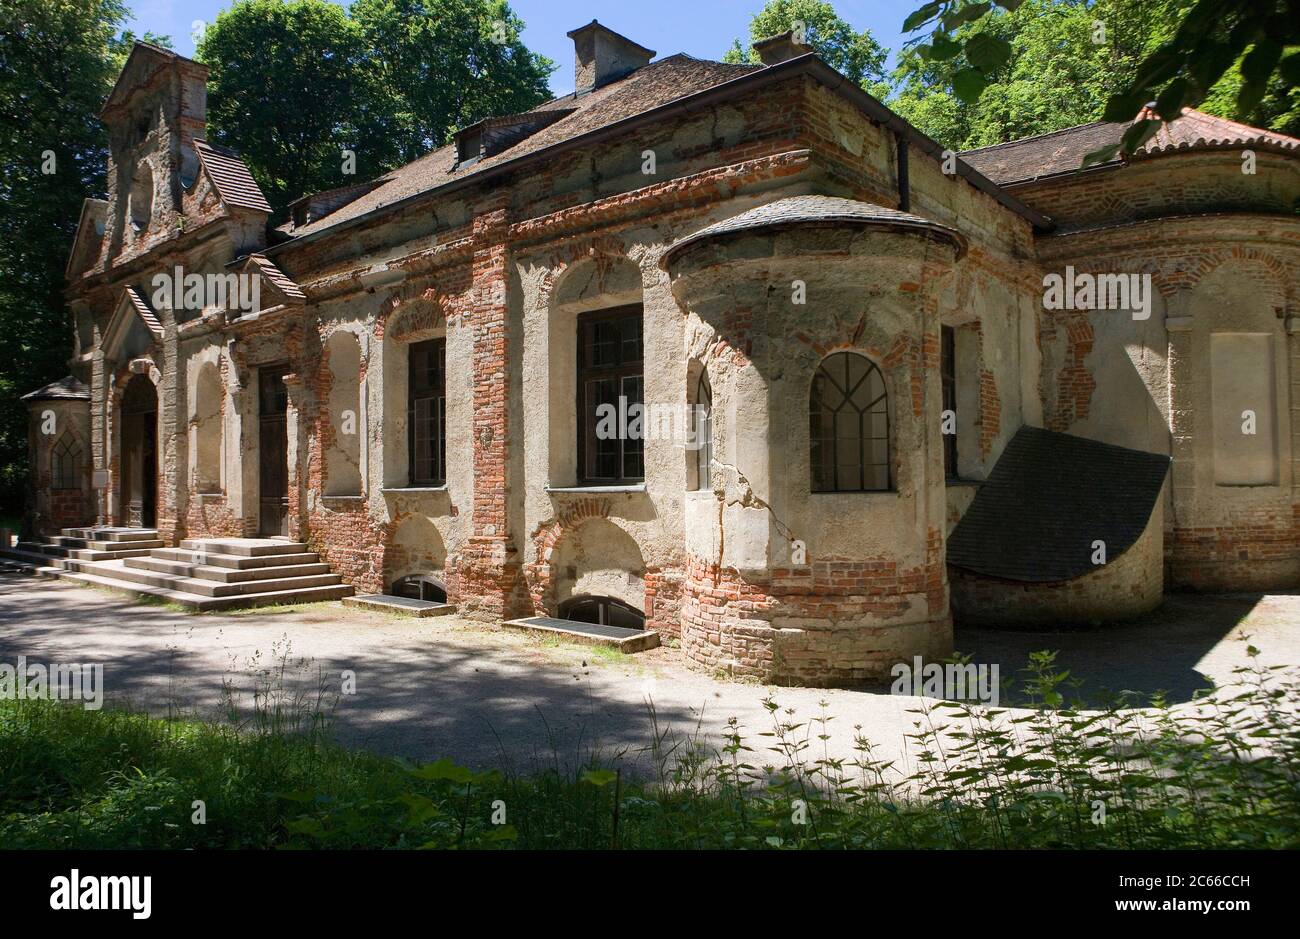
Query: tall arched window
pixel 65 464
pixel 848 420
pixel 702 431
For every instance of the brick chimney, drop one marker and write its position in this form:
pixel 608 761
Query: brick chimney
pixel 779 48
pixel 603 56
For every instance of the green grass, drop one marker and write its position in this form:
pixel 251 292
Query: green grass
pixel 1050 777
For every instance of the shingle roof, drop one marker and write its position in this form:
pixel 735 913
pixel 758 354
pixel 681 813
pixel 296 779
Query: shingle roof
pixel 67 388
pixel 234 182
pixel 648 87
pixel 278 278
pixel 145 311
pixel 1049 497
pixel 1063 150
pixel 815 210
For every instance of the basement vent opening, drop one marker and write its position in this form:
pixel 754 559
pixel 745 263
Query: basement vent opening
pixel 419 587
pixel 604 611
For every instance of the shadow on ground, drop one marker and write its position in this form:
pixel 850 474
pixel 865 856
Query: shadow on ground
pixel 414 697
pixel 1164 651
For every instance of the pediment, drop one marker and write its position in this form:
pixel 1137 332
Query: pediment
pixel 133 328
pixel 89 239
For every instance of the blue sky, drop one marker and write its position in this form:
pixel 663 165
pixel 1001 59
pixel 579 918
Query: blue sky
pixel 702 28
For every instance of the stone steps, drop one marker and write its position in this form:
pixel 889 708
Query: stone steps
pixel 202 574
pixel 205 604
pixel 244 547
pixel 236 561
pixel 229 575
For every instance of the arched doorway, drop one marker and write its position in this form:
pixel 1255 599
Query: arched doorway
pixel 139 458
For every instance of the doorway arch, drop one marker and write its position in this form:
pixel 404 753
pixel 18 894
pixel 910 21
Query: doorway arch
pixel 138 484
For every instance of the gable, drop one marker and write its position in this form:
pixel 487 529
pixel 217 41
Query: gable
pixel 133 329
pixel 89 239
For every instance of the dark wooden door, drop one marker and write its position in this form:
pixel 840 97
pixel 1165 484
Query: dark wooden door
pixel 273 453
pixel 149 476
pixel 139 455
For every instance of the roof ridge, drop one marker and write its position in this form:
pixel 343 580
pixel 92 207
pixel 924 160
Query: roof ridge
pixel 1050 133
pixel 1254 131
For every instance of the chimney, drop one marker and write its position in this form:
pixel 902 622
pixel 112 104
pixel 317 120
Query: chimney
pixel 603 56
pixel 779 48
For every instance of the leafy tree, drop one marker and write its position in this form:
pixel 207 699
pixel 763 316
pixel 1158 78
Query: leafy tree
pixel 58 60
pixel 1249 45
pixel 1278 110
pixel 288 90
pixel 1044 66
pixel 856 54
pixel 295 83
pixel 444 64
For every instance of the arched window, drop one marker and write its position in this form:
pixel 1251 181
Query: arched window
pixel 420 587
pixel 702 431
pixel 848 419
pixel 65 464
pixel 208 429
pixel 426 428
pixel 343 455
pixel 604 611
pixel 141 200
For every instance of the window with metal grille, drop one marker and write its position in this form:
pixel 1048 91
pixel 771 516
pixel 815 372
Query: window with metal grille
pixel 610 444
pixel 849 426
pixel 65 464
pixel 604 611
pixel 427 413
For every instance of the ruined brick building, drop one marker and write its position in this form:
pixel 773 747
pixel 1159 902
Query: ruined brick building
pixel 897 425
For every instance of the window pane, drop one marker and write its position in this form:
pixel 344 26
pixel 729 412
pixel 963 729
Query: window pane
pixel 610 374
pixel 848 426
pixel 427 412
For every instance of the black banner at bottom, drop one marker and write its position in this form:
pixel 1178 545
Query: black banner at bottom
pixel 143 889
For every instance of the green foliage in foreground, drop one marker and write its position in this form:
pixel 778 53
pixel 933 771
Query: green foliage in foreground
pixel 1222 773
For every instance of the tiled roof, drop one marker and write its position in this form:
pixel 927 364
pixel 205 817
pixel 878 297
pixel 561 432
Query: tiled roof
pixel 1049 497
pixel 813 210
pixel 278 278
pixel 67 388
pixel 648 87
pixel 145 311
pixel 234 182
pixel 1063 150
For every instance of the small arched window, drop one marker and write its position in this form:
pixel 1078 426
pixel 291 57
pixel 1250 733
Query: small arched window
pixel 848 414
pixel 65 464
pixel 420 587
pixel 702 431
pixel 603 611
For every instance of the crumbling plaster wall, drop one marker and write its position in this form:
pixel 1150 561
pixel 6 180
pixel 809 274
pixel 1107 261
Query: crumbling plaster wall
pixel 1149 383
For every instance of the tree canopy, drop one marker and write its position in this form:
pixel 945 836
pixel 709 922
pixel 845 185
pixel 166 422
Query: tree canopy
pixel 295 83
pixel 1000 59
pixel 854 53
pixel 58 61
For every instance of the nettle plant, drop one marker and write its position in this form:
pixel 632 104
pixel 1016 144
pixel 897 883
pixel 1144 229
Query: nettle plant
pixel 1220 771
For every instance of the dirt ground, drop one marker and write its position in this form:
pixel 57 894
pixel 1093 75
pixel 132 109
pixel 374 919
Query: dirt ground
pixel 448 687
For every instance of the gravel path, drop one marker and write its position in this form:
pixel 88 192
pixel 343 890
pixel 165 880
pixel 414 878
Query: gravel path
pixel 446 687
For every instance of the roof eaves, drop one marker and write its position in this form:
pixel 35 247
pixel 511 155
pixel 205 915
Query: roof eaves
pixel 689 104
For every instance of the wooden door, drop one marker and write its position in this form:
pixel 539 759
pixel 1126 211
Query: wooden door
pixel 273 453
